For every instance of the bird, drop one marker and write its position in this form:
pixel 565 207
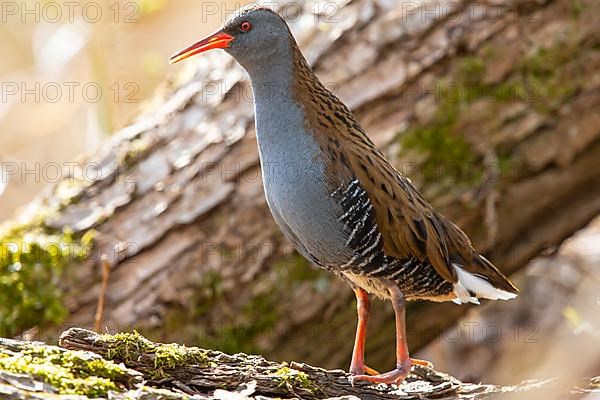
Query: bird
pixel 338 199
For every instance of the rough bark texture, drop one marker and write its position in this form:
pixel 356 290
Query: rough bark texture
pixel 147 370
pixel 195 255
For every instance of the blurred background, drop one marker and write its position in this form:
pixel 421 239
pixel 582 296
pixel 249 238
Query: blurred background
pixel 76 72
pixel 492 108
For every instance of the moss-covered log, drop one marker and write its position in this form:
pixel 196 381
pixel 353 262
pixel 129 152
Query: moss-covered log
pixel 491 107
pixel 129 366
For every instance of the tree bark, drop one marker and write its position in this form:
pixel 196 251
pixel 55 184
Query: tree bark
pixel 195 255
pixel 128 366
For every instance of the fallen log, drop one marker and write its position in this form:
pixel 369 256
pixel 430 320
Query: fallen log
pixel 129 366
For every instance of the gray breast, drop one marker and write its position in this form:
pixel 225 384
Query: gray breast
pixel 296 187
pixel 299 199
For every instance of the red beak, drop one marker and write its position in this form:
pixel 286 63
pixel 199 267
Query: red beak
pixel 218 40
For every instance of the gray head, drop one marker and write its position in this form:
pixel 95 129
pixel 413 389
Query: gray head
pixel 255 36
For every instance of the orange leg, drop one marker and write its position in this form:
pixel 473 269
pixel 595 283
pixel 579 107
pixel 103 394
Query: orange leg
pixel 357 366
pixel 403 361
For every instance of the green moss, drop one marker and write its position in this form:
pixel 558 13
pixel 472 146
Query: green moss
pixel 471 69
pixel 443 150
pixel 576 7
pixel 296 269
pixel 70 372
pixel 69 191
pixel 287 376
pixel 33 258
pixel 242 337
pixel 129 347
pixel 257 316
pixel 126 346
pixel 261 311
pixel 439 143
pixel 549 72
pixel 174 355
pixel 132 152
pixel 211 290
pixel 545 79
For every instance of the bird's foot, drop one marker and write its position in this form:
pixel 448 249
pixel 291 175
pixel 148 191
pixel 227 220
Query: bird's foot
pixel 395 376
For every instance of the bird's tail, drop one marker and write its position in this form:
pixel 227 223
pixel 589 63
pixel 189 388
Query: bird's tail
pixel 476 276
pixel 491 284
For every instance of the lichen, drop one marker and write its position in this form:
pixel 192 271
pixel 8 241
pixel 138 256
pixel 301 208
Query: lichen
pixel 69 372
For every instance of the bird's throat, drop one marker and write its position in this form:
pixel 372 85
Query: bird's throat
pixel 283 135
pixel 279 115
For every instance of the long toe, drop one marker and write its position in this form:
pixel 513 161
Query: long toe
pixel 356 370
pixel 370 371
pixel 422 363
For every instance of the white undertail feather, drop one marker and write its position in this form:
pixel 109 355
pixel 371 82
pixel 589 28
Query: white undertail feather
pixel 468 282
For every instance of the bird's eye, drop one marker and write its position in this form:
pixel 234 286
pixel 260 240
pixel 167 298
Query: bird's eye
pixel 245 26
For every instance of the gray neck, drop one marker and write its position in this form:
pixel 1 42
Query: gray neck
pixel 280 126
pixel 274 74
pixel 288 153
pixel 273 90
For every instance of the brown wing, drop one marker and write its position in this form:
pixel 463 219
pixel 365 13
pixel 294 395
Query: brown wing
pixel 409 225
